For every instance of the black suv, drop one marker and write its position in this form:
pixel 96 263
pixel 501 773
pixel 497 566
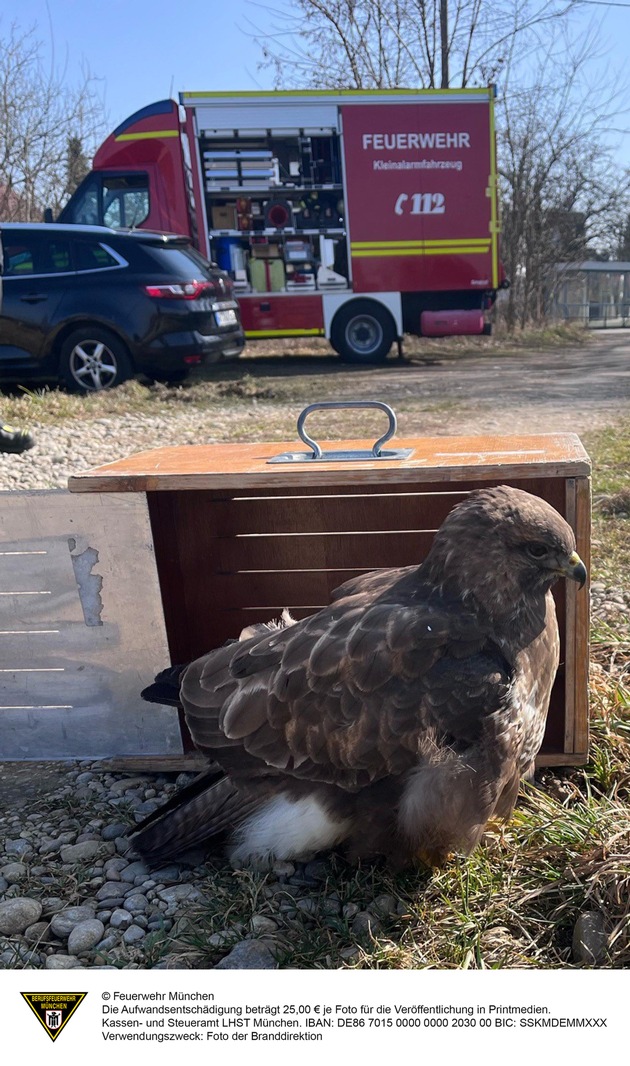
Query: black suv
pixel 92 306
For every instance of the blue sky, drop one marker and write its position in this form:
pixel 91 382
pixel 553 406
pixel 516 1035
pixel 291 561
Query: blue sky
pixel 143 50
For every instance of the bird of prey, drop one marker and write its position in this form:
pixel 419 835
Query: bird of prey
pixel 396 721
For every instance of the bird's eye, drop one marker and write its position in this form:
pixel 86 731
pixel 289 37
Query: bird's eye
pixel 537 551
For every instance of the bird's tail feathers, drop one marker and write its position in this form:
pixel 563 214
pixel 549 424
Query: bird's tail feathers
pixel 203 810
pixel 165 687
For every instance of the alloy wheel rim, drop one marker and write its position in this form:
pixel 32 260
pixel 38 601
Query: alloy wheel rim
pixel 93 365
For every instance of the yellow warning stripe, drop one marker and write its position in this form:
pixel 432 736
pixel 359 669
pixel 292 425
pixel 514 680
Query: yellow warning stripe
pixel 147 136
pixel 464 248
pixel 383 252
pixel 260 333
pixel 279 94
pixel 481 242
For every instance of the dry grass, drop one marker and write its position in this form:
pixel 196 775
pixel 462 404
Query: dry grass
pixel 552 336
pixel 513 904
pixel 610 450
pixel 278 373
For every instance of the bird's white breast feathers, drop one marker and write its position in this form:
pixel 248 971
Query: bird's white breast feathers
pixel 285 828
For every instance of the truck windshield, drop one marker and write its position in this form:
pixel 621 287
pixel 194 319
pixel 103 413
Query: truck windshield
pixel 120 201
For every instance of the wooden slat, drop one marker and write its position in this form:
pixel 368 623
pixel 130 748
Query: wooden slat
pixel 195 763
pixel 562 758
pixel 317 514
pixel 277 589
pixel 192 762
pixel 393 486
pixel 234 620
pixel 570 633
pixel 348 552
pixel 582 619
pixel 239 466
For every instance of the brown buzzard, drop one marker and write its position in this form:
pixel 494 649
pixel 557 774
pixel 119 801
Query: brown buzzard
pixel 395 722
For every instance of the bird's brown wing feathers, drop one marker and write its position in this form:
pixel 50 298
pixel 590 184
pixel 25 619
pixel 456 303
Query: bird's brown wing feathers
pixel 347 696
pixel 372 582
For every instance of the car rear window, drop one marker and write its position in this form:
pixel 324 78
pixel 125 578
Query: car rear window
pixel 181 262
pixel 88 256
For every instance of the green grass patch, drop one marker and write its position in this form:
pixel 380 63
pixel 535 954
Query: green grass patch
pixel 610 451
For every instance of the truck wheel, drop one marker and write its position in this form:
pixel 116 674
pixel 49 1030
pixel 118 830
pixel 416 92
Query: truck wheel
pixel 92 358
pixel 362 332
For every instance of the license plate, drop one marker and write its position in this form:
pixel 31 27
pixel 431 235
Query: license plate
pixel 225 318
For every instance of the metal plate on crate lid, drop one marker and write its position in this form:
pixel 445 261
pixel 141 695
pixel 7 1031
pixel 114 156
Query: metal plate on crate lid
pixel 347 455
pixel 358 455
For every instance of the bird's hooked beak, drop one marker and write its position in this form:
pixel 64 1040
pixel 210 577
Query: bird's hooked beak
pixel 575 569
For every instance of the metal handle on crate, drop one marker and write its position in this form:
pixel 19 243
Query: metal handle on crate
pixel 316 455
pixel 338 405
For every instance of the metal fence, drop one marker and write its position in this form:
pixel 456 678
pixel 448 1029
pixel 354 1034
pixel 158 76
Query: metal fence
pixel 595 315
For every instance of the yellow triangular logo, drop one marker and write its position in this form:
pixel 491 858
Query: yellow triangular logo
pixel 53 1009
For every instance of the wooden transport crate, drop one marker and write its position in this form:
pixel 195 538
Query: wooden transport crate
pixel 238 538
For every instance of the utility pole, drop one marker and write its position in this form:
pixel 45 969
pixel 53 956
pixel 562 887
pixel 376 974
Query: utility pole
pixel 444 42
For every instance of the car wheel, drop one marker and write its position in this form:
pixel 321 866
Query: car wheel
pixel 93 359
pixel 362 332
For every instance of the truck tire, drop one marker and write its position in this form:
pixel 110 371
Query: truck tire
pixel 93 358
pixel 363 331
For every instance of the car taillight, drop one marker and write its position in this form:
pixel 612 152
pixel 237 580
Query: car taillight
pixel 185 290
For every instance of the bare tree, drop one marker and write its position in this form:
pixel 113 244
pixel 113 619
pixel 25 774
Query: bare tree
pixel 362 44
pixel 563 191
pixel 44 123
pixel 563 194
pixel 77 164
pixel 620 240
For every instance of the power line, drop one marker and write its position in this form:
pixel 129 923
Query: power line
pixel 605 3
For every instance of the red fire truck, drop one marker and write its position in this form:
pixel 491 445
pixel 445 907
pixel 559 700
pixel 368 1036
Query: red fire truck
pixel 354 215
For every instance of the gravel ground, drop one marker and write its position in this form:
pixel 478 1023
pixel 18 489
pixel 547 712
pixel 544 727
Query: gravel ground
pixel 63 450
pixel 73 894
